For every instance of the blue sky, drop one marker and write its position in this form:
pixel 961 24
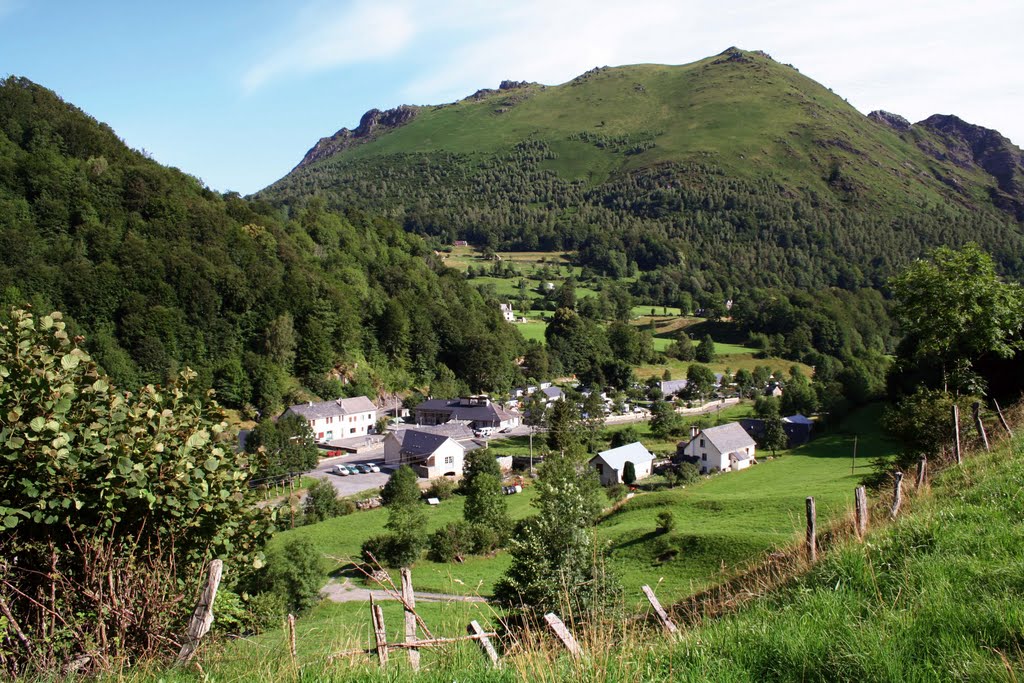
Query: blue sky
pixel 236 92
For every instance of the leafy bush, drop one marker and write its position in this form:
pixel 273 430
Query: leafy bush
pixel 616 492
pixel 451 542
pixel 485 539
pixel 441 488
pixel 377 548
pixel 266 611
pixel 666 521
pixel 322 502
pixel 295 574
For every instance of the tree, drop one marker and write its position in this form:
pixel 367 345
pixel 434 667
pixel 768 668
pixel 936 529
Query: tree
pixel 682 348
pixel 565 429
pixel 665 421
pixel 594 410
pixel 279 341
pixel 402 487
pixel 700 381
pixel 956 307
pixel 624 436
pixel 554 562
pixel 294 573
pixel 628 473
pixel 481 484
pixel 283 447
pixel 774 438
pixel 705 350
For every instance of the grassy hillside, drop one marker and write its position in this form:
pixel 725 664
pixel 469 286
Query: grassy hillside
pixel 735 169
pixel 935 596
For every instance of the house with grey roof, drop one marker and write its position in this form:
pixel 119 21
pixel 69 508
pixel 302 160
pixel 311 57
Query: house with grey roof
pixel 725 448
pixel 341 418
pixel 479 411
pixel 671 387
pixel 611 464
pixel 430 455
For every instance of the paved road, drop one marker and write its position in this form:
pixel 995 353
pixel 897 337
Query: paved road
pixel 353 483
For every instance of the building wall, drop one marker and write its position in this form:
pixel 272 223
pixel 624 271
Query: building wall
pixel 609 476
pixel 343 426
pixel 448 459
pixel 708 457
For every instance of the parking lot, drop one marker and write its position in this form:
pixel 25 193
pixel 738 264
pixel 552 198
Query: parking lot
pixel 353 483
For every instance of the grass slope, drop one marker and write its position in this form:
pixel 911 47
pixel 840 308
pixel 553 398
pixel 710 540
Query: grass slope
pixel 936 596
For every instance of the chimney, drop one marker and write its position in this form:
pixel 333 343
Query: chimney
pixel 694 431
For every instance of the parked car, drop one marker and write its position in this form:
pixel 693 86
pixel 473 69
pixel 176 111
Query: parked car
pixel 373 467
pixel 363 469
pixel 340 470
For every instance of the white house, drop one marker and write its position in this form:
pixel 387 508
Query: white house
pixel 430 455
pixel 507 312
pixel 612 463
pixel 724 448
pixel 339 419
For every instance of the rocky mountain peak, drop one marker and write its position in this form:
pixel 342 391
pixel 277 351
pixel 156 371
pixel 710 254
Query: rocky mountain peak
pixel 372 124
pixel 894 121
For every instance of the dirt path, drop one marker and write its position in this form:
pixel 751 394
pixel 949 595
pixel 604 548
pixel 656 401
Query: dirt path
pixel 349 592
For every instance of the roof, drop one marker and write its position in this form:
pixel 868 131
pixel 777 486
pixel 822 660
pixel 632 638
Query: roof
pixel 728 437
pixel 617 458
pixel 458 430
pixel 457 411
pixel 552 392
pixel 419 442
pixel 798 419
pixel 739 456
pixel 341 406
pixel 673 386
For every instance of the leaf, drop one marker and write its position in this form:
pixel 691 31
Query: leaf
pixel 100 386
pixel 37 423
pixel 15 442
pixel 14 414
pixel 69 362
pixel 10 521
pixel 211 464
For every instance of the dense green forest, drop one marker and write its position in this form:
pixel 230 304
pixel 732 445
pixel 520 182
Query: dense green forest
pixel 159 272
pixel 712 178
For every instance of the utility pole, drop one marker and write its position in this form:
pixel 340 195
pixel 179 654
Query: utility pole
pixel 853 464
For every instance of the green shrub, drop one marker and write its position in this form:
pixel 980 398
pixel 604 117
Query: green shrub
pixel 322 502
pixel 451 542
pixel 616 492
pixel 485 539
pixel 441 488
pixel 266 611
pixel 666 521
pixel 377 548
pixel 294 573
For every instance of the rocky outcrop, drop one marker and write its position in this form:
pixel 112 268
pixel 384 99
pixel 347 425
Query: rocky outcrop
pixel 373 124
pixel 971 146
pixel 894 121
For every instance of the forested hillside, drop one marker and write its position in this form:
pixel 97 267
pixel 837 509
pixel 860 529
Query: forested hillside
pixel 714 177
pixel 159 272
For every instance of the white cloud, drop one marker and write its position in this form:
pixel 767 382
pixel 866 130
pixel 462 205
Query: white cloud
pixel 324 39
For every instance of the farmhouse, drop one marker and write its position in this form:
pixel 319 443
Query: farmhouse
pixel 507 312
pixel 796 427
pixel 476 410
pixel 724 448
pixel 339 419
pixel 672 386
pixel 611 464
pixel 430 455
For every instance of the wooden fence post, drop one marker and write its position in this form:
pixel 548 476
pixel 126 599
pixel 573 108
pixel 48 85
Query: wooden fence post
pixel 1003 419
pixel 202 617
pixel 956 433
pixel 812 540
pixel 409 600
pixel 663 617
pixel 379 635
pixel 897 495
pixel 922 467
pixel 860 502
pixel 979 424
pixel 563 634
pixel 485 643
pixel 291 639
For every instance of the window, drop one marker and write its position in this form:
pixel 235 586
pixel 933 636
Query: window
pixel 704 456
pixel 352 430
pixel 702 443
pixel 320 435
pixel 448 459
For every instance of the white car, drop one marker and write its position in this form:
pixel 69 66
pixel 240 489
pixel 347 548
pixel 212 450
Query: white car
pixel 373 467
pixel 340 469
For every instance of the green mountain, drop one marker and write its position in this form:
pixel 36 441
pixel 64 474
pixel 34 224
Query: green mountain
pixel 730 172
pixel 159 272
